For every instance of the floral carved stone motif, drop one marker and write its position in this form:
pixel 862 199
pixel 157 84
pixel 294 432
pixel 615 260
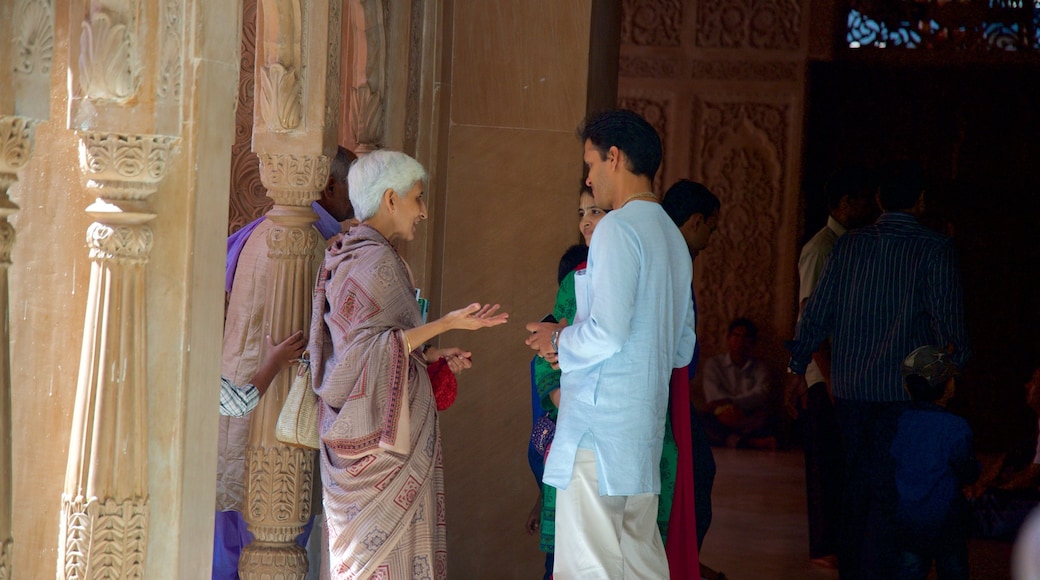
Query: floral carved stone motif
pixel 759 24
pixel 122 244
pixel 15 146
pixel 169 82
pixel 304 173
pixel 104 538
pixel 107 63
pixel 651 22
pixel 34 36
pixel 126 162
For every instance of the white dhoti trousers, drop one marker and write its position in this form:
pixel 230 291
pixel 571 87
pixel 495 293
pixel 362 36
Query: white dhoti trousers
pixel 605 537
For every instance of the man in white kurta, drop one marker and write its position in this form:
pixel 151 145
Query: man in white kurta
pixel 634 323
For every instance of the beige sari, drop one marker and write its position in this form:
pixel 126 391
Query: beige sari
pixel 381 469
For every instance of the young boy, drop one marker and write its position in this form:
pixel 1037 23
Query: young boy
pixel 933 460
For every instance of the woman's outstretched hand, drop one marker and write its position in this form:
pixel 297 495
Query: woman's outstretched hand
pixel 476 316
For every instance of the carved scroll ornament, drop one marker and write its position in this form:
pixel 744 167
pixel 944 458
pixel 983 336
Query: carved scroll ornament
pixel 15 147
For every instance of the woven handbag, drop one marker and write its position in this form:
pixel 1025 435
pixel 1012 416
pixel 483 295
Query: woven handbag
pixel 298 420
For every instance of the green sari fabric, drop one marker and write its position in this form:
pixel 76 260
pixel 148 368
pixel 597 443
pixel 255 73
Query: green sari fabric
pixel 547 380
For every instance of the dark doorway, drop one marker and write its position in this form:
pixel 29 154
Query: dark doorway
pixel 976 130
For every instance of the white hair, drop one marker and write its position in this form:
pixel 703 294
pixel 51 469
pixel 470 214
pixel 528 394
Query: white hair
pixel 374 173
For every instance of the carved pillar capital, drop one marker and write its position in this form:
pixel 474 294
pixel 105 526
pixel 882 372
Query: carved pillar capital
pixel 123 166
pixel 293 179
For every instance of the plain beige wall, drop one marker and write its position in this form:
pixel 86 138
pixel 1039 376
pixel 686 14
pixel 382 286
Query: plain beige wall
pixel 510 188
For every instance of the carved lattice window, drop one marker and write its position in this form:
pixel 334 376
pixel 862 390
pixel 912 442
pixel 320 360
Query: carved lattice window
pixel 973 25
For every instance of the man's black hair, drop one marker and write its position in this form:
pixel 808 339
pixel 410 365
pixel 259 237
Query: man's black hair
pixel 685 198
pixel 855 181
pixel 630 133
pixel 901 184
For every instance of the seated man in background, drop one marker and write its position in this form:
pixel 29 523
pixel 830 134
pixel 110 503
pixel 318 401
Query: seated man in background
pixel 737 393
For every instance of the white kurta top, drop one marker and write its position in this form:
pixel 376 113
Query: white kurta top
pixel 810 265
pixel 634 324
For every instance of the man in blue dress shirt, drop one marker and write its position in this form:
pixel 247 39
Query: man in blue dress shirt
pixel 634 324
pixel 885 290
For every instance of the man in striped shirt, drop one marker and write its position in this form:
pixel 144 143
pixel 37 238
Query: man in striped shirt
pixel 240 400
pixel 886 290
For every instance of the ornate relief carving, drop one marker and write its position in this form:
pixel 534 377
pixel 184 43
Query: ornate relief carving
pixel 740 155
pixel 128 166
pixel 168 83
pixel 283 171
pixel 730 70
pixel 108 65
pixel 121 244
pixel 103 538
pixel 5 559
pixel 248 196
pixel 279 489
pixel 648 67
pixel 281 87
pixel 280 98
pixel 655 109
pixel 760 24
pixel 290 242
pixel 34 36
pixel 651 22
pixel 366 116
pixel 15 144
pixel 333 67
pixel 278 504
pixel 7 237
pixel 367 22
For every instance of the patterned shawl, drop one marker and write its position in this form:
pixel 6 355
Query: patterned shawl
pixel 380 459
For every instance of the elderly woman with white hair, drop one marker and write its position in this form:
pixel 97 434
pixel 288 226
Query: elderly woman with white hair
pixel 381 465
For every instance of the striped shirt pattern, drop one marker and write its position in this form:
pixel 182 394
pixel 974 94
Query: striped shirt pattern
pixel 886 290
pixel 237 401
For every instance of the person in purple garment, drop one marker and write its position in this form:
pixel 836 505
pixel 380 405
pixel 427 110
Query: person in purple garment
pixel 244 343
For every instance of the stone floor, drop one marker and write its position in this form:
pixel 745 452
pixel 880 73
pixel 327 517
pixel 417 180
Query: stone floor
pixel 759 529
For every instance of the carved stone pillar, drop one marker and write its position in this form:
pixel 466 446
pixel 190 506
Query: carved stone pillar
pixel 104 520
pixel 294 136
pixel 279 478
pixel 15 148
pixel 25 66
pixel 125 106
